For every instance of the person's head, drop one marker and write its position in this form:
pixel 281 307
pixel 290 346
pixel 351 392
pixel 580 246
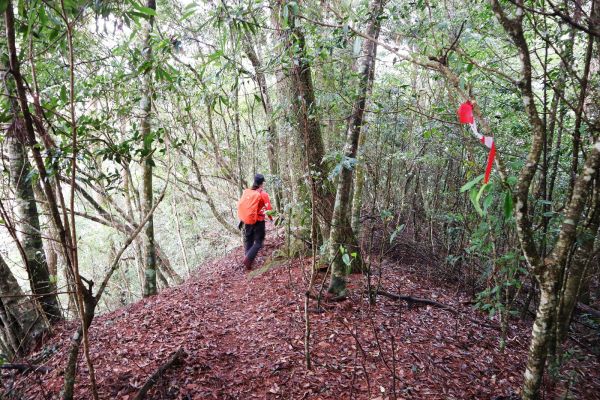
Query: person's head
pixel 259 181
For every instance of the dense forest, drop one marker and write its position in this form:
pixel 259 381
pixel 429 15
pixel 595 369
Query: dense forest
pixel 452 143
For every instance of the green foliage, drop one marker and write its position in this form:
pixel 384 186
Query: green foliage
pixel 399 229
pixel 471 183
pixel 347 259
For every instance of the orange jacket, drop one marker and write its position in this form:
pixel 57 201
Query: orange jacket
pixel 264 205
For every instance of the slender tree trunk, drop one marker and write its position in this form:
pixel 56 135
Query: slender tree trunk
pixel 341 233
pixel 359 183
pixel 538 348
pixel 28 222
pixel 148 162
pixel 546 270
pixel 238 139
pixel 272 136
pixel 89 308
pixel 180 239
pixel 580 107
pixel 575 275
pixel 209 200
pixel 32 143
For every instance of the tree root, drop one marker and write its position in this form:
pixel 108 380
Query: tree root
pixel 154 377
pixel 416 300
pixel 327 297
pixel 23 368
pixel 585 309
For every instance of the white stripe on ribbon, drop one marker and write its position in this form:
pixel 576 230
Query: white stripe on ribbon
pixel 475 132
pixel 488 141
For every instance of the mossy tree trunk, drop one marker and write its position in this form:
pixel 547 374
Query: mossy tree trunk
pixel 305 110
pixel 150 287
pixel 341 233
pixel 27 217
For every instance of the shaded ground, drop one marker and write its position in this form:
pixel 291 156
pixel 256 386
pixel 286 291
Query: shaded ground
pixel 243 339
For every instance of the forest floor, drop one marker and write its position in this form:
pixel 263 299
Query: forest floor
pixel 243 337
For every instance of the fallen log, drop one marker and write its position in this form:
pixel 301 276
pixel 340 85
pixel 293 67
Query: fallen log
pixel 416 300
pixel 154 377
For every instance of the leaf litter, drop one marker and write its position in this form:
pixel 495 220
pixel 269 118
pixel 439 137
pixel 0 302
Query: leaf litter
pixel 243 338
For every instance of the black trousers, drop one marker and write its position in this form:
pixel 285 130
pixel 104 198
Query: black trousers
pixel 254 237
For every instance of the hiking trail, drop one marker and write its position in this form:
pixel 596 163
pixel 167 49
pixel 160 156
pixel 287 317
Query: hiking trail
pixel 243 337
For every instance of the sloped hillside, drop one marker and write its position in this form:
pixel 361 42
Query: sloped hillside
pixel 242 337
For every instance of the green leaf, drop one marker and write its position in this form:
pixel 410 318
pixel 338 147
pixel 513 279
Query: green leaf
pixel 346 259
pixel 3 5
pixel 475 197
pixel 148 139
pixel 187 14
pixel 471 183
pixel 146 11
pixel 487 202
pixel 189 10
pixel 508 204
pixel 285 14
pixel 216 55
pixel 63 94
pixel 478 198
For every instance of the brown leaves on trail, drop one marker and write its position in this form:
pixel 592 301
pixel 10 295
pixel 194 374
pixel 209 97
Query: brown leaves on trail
pixel 243 339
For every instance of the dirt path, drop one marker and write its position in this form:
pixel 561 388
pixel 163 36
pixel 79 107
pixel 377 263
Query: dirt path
pixel 243 338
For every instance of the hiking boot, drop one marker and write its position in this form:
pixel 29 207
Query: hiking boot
pixel 247 263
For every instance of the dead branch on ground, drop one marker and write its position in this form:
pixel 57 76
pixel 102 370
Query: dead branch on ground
pixel 154 377
pixel 416 300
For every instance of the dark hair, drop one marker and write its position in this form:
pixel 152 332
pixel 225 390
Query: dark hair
pixel 258 180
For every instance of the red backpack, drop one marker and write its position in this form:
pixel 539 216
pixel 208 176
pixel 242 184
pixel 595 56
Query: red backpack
pixel 248 206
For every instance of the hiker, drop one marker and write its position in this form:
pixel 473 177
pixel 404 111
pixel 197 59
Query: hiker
pixel 252 209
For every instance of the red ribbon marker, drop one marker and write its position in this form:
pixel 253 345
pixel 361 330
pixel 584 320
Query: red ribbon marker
pixel 465 113
pixel 465 116
pixel 491 157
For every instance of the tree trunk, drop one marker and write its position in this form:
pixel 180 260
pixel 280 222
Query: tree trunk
pixel 341 233
pixel 575 275
pixel 359 184
pixel 272 136
pixel 70 373
pixel 546 270
pixel 309 127
pixel 19 320
pixel 536 359
pixel 28 222
pixel 238 139
pixel 148 162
